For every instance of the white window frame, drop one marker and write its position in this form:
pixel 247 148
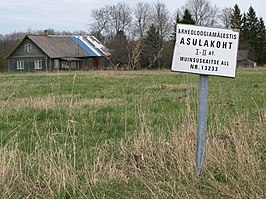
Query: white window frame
pixel 38 64
pixel 28 48
pixel 20 65
pixel 65 65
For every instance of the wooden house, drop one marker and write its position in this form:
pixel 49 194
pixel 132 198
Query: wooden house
pixel 50 52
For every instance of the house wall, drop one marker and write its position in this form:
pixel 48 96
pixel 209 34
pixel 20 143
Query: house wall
pixel 29 53
pixel 69 65
pixel 31 56
pixel 94 63
pixel 85 64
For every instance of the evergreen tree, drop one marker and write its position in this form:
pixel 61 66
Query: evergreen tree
pixel 153 38
pixel 251 35
pixel 187 18
pixel 153 46
pixel 119 48
pixel 260 46
pixel 236 18
pixel 177 21
pixel 252 23
pixel 243 38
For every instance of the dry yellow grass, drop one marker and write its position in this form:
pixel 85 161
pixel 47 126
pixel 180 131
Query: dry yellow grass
pixel 233 166
pixel 56 102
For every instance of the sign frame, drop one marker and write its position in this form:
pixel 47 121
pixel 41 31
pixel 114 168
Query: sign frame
pixel 205 50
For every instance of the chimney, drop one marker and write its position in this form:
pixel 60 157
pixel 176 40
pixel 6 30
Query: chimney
pixel 45 32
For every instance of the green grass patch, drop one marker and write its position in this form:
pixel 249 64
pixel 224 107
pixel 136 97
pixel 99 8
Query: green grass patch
pixel 130 134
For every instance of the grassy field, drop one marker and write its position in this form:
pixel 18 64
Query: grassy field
pixel 130 134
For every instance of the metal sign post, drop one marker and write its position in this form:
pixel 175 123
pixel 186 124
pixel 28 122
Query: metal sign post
pixel 204 51
pixel 202 122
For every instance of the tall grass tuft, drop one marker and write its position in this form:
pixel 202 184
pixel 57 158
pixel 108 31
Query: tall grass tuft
pixel 130 135
pixel 159 167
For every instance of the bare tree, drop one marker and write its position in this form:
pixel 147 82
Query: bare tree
pixel 225 17
pixel 101 18
pixel 161 19
pixel 120 17
pixel 142 13
pixel 203 12
pixel 155 58
pixel 110 20
pixel 135 49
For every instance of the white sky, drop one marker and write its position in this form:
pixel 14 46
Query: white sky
pixel 74 15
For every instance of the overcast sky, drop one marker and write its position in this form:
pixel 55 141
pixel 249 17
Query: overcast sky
pixel 74 15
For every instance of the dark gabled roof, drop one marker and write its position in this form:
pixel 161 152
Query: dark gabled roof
pixel 67 46
pixel 58 46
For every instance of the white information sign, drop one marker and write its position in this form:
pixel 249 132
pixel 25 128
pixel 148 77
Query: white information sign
pixel 204 50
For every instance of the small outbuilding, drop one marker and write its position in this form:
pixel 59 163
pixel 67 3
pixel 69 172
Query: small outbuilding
pixel 56 52
pixel 243 59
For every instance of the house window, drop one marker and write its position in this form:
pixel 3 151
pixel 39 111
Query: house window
pixel 28 48
pixel 56 63
pixel 73 64
pixel 65 64
pixel 38 64
pixel 20 65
